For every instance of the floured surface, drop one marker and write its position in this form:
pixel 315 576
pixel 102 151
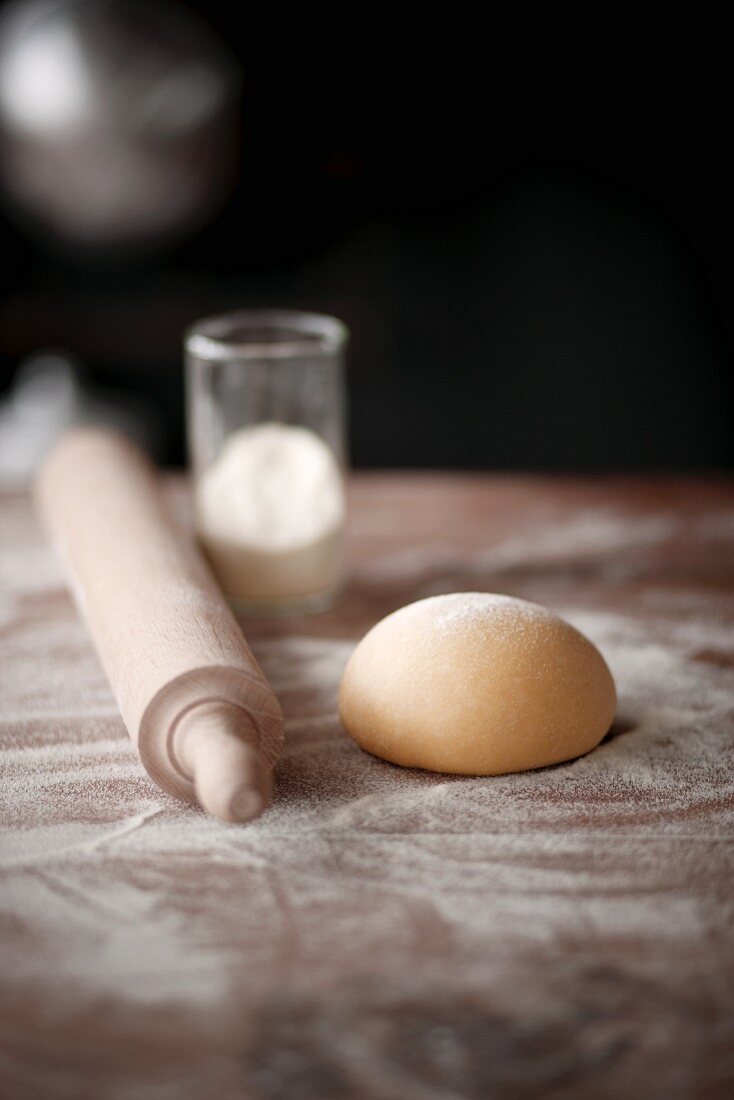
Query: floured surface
pixel 382 932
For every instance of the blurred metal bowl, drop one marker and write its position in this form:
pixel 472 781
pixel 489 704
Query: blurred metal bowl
pixel 118 120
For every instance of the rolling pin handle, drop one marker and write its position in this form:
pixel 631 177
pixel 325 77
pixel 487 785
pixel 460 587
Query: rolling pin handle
pixel 213 745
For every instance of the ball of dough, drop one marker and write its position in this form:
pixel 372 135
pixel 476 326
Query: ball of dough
pixel 476 684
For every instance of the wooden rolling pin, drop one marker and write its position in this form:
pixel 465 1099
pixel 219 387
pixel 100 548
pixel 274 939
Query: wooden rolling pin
pixel 205 720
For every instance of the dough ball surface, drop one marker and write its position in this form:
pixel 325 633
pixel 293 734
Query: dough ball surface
pixel 476 684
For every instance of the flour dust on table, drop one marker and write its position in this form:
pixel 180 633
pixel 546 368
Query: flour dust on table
pixel 378 931
pixel 60 869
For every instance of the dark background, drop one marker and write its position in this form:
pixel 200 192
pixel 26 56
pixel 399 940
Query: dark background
pixel 527 229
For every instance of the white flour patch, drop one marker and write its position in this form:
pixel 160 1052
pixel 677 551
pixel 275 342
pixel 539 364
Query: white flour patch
pixel 592 532
pixel 596 532
pixel 543 558
pixel 26 566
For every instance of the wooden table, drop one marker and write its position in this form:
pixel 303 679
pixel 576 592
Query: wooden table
pixel 380 932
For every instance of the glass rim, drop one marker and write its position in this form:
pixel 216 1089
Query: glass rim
pixel 304 334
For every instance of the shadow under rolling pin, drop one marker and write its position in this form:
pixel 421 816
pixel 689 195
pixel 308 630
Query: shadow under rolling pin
pixel 206 723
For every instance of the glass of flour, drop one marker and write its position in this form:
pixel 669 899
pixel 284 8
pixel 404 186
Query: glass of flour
pixel 266 427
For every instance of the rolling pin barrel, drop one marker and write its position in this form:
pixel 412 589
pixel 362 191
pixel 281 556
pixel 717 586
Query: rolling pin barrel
pixel 195 702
